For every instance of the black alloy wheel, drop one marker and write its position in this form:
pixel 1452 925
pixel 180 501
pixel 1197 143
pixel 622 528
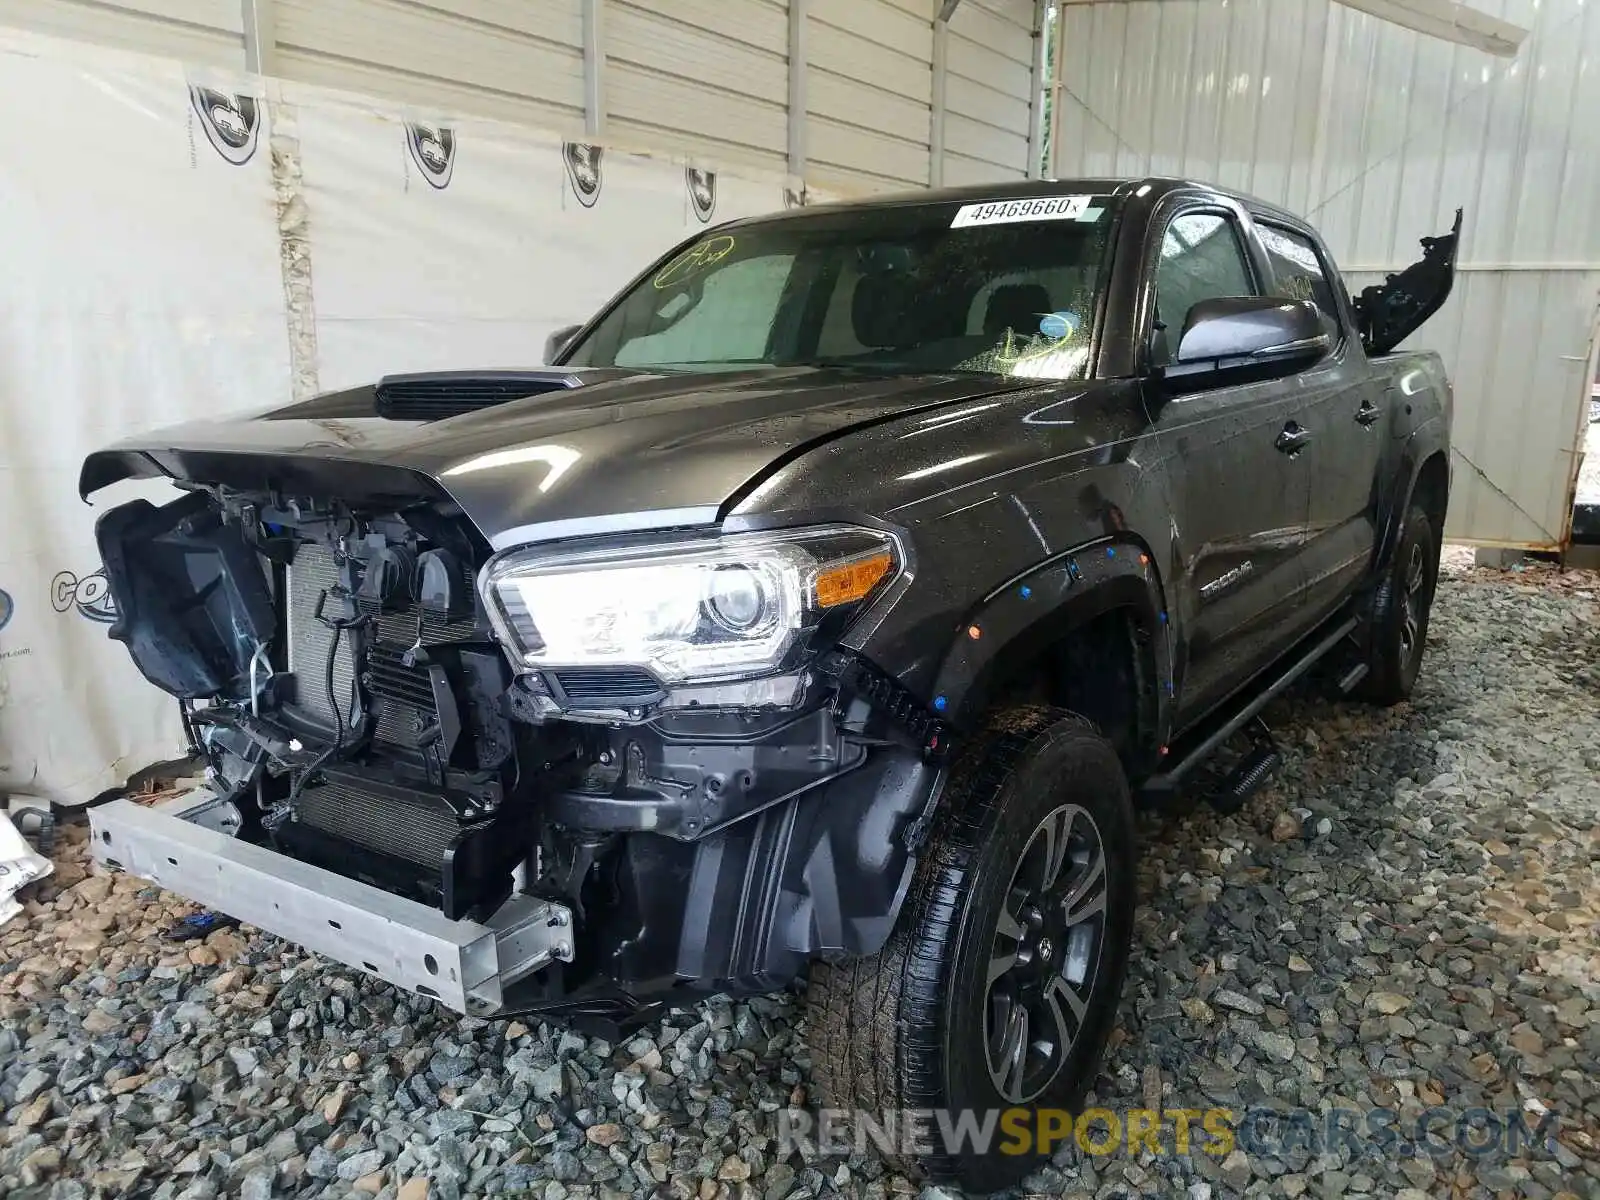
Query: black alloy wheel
pixel 1397 621
pixel 999 987
pixel 1046 954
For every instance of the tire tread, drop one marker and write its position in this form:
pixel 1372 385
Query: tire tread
pixel 889 1007
pixel 1386 682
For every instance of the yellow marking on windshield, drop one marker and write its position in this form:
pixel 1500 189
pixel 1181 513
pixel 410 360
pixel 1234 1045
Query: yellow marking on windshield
pixel 692 261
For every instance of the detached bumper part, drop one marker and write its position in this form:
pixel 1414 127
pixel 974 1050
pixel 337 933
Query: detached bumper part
pixel 464 965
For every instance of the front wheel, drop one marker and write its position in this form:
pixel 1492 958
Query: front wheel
pixel 999 987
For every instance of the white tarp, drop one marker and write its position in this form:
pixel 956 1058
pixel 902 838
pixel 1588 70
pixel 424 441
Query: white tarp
pixel 20 865
pixel 181 246
pixel 140 286
pixel 411 276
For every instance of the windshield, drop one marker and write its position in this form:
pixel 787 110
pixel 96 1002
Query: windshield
pixel 1006 287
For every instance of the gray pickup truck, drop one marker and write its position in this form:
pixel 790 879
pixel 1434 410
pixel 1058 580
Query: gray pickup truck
pixel 823 610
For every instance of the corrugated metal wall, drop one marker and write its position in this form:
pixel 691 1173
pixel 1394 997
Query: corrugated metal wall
pixel 869 79
pixel 201 31
pixel 503 58
pixel 1376 134
pixel 705 77
pixel 870 83
pixel 989 90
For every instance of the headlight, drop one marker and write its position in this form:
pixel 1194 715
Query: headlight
pixel 702 611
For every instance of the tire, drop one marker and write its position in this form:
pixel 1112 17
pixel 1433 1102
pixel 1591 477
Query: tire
pixel 1400 609
pixel 917 1026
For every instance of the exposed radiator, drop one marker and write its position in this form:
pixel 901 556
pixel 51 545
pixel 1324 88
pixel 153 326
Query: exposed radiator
pixel 403 838
pixel 362 819
pixel 415 826
pixel 402 697
pixel 309 639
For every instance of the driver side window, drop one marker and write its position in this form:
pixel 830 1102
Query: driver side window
pixel 1201 259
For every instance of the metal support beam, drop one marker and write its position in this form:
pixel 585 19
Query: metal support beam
pixel 798 16
pixel 260 37
pixel 1052 135
pixel 1450 21
pixel 937 102
pixel 594 61
pixel 1041 57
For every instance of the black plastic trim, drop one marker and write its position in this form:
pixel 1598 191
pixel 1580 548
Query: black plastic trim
pixel 435 395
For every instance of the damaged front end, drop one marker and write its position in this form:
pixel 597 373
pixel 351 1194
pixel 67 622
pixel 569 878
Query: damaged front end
pixel 581 777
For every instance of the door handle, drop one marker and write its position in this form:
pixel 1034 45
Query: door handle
pixel 1368 413
pixel 1294 438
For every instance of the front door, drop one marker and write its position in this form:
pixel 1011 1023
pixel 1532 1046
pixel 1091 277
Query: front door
pixel 1238 477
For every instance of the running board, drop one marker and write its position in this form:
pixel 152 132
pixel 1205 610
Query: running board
pixel 1192 757
pixel 1352 677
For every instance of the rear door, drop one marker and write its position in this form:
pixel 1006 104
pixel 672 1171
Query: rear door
pixel 1239 502
pixel 1344 418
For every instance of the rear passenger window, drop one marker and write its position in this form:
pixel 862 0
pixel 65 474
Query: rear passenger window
pixel 1298 273
pixel 1201 259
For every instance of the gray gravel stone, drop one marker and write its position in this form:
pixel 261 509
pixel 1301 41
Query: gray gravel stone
pixel 361 1164
pixel 1227 998
pixel 322 1164
pixel 30 1085
pixel 1275 1045
pixel 563 1165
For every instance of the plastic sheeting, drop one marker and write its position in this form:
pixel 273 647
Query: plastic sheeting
pixel 527 235
pixel 20 865
pixel 179 247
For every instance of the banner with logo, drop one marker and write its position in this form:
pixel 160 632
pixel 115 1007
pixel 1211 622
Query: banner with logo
pixel 436 245
pixel 182 245
pixel 139 286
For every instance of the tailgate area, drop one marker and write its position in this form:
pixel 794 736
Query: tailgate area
pixel 184 847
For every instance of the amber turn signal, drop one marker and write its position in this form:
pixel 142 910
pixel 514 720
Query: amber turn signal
pixel 850 581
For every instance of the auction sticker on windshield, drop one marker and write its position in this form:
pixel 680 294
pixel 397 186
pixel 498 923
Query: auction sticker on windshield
pixel 1035 208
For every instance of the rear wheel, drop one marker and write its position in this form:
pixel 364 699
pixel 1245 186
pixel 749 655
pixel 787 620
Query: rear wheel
pixel 1400 611
pixel 1000 984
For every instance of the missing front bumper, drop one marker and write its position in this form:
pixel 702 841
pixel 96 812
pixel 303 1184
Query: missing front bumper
pixel 464 965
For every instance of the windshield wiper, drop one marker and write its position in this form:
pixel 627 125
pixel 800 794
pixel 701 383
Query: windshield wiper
pixel 855 364
pixel 706 362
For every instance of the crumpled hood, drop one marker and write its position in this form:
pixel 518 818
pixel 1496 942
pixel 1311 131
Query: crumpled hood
pixel 642 451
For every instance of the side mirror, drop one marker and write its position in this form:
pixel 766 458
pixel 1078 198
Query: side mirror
pixel 556 344
pixel 1248 335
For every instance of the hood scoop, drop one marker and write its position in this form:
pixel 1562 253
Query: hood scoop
pixel 435 395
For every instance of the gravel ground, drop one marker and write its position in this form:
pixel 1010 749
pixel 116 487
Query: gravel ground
pixel 1409 915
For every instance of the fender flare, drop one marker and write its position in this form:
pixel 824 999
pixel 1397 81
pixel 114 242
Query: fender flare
pixel 1048 600
pixel 1425 442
